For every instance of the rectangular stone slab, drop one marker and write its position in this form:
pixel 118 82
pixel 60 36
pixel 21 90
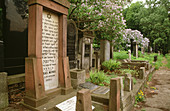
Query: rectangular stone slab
pixel 89 85
pixel 68 105
pixel 101 90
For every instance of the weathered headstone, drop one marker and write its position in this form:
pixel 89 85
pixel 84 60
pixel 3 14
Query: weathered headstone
pixel 86 49
pixel 104 50
pixel 135 49
pixel 129 53
pixel 47 64
pixel 72 39
pixel 127 85
pixel 84 100
pixel 131 45
pixel 142 50
pixel 3 90
pixel 142 73
pixel 114 98
pixel 159 53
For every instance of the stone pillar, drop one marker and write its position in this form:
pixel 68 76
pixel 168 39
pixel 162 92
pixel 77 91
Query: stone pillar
pixel 84 100
pixel 3 90
pixel 104 50
pixel 121 92
pixel 114 98
pixel 131 43
pixel 82 54
pixel 91 54
pixel 142 50
pixel 135 49
pixel 127 85
pixel 149 47
pixel 129 53
pixel 97 61
pixel 142 73
pixel 1 56
pixel 159 53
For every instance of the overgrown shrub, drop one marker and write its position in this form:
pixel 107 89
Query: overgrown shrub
pixel 100 78
pixel 111 64
pixel 120 55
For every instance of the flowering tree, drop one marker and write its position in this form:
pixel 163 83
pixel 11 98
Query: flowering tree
pixel 137 36
pixel 101 16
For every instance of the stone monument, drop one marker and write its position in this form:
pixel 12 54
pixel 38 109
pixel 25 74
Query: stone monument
pixel 85 49
pixel 129 53
pixel 142 50
pixel 72 42
pixel 47 66
pixel 135 49
pixel 104 50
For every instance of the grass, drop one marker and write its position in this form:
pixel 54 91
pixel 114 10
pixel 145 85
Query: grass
pixel 150 77
pixel 120 55
pixel 168 60
pixel 111 64
pixel 150 58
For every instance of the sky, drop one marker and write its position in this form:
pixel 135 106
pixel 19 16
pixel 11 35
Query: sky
pixel 137 0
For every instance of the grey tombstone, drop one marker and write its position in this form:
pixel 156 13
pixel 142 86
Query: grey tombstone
pixel 135 49
pixel 104 50
pixel 129 53
pixel 159 53
pixel 127 85
pixel 142 73
pixel 72 39
pixel 142 50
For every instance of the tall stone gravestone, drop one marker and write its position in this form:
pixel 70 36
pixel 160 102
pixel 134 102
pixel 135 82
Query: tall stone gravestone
pixel 72 39
pixel 131 44
pixel 135 49
pixel 104 50
pixel 47 64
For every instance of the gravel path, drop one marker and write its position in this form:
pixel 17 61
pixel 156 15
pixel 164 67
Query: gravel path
pixel 158 92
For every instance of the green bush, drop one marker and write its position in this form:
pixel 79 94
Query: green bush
pixel 100 78
pixel 111 64
pixel 120 55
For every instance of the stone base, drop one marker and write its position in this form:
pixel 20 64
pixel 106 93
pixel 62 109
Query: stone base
pixel 49 105
pixel 65 91
pixel 34 102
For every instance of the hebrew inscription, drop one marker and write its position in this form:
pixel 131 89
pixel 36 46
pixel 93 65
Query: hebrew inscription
pixel 50 49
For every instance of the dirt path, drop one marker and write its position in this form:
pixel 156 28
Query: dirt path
pixel 158 92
